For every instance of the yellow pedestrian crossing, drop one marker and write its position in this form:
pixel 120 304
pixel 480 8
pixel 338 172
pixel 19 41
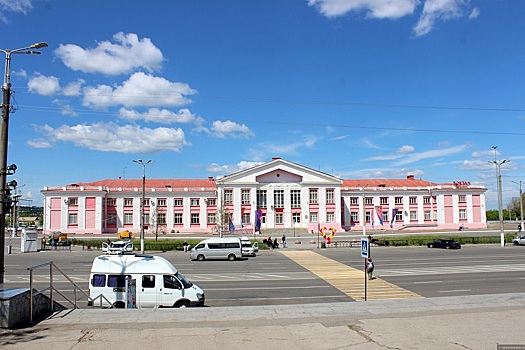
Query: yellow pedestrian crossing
pixel 347 279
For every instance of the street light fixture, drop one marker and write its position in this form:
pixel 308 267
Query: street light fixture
pixel 142 224
pixel 6 108
pixel 500 200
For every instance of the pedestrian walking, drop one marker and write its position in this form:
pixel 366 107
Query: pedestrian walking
pixel 370 268
pixel 185 246
pixel 284 240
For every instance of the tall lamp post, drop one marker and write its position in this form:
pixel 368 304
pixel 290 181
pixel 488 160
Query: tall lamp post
pixel 142 224
pixel 6 108
pixel 500 200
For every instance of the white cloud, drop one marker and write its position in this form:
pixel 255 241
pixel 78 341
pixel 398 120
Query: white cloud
pixel 40 143
pixel 20 6
pixel 128 53
pixel 231 168
pixel 474 14
pixel 66 109
pixel 139 90
pixel 414 157
pixel 405 149
pixel 74 88
pixel 44 85
pixel 373 8
pixel 228 128
pixel 110 137
pixel 438 10
pixel 156 115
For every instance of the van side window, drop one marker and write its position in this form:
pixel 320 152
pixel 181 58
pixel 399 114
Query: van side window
pixel 171 282
pixel 99 281
pixel 223 245
pixel 200 246
pixel 117 280
pixel 148 281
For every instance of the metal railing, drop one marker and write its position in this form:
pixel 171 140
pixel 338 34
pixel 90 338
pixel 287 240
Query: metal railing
pixel 51 288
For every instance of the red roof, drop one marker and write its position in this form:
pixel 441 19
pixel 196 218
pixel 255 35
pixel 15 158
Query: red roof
pixel 409 182
pixel 175 184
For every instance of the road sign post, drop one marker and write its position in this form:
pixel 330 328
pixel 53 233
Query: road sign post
pixel 365 253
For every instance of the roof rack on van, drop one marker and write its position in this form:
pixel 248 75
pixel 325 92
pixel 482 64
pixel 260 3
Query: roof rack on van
pixel 144 256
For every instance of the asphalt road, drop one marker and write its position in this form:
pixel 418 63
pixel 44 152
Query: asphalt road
pixel 273 278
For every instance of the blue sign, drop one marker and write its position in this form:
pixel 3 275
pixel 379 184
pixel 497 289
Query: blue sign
pixel 365 247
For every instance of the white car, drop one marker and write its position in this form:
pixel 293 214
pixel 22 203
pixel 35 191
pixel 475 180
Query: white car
pixel 118 247
pixel 249 249
pixel 519 241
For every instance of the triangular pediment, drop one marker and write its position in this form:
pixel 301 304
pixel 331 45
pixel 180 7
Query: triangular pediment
pixel 280 171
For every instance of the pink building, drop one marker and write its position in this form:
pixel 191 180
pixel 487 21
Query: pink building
pixel 275 195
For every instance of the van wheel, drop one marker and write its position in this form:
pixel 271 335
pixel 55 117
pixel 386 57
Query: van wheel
pixel 231 257
pixel 119 304
pixel 200 257
pixel 183 304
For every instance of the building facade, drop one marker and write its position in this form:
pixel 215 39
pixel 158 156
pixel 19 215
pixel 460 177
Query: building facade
pixel 273 195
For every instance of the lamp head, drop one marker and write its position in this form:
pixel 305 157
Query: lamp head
pixel 38 45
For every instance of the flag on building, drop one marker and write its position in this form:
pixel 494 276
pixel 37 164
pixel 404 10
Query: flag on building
pixel 258 216
pixel 393 220
pixel 377 216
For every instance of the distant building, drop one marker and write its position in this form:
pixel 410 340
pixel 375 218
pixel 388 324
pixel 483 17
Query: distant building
pixel 273 195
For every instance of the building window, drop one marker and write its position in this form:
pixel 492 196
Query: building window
pixel 314 217
pixel 354 216
pixel 354 200
pixel 412 200
pixel 146 219
pixel 369 200
pixel 128 219
pixel 427 215
pixel 161 219
pixel 462 214
pixel 128 202
pixel 413 215
pixel 313 196
pixel 212 218
pixel 245 197
pixel 296 218
pixel 194 218
pixel 177 202
pixel 212 202
pixel 385 216
pixel 398 200
pixel 112 219
pixel 261 198
pixel 228 197
pixel 278 198
pixel 72 201
pixel 462 198
pixel 111 201
pixel 177 218
pixel 146 202
pixel 383 200
pixel 73 219
pixel 367 216
pixel 330 216
pixel 295 198
pixel 330 196
pixel 278 218
pixel 399 215
pixel 160 202
pixel 246 218
pixel 194 202
pixel 426 200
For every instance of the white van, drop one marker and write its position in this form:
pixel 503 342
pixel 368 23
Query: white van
pixel 249 249
pixel 217 248
pixel 154 282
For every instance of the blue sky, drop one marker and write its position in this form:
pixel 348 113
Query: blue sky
pixel 354 88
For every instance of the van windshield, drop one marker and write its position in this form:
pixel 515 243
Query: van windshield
pixel 185 283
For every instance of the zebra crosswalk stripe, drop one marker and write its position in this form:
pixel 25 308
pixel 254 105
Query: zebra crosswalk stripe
pixel 347 279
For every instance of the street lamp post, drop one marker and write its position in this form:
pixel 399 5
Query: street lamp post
pixel 6 108
pixel 500 200
pixel 142 224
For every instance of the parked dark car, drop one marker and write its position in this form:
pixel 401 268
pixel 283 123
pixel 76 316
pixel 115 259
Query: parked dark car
pixel 444 243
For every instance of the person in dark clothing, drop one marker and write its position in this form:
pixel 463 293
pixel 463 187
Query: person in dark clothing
pixel 284 240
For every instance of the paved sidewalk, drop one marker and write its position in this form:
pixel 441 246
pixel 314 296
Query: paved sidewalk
pixel 466 322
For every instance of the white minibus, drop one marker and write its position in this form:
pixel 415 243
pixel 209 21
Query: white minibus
pixel 217 248
pixel 155 283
